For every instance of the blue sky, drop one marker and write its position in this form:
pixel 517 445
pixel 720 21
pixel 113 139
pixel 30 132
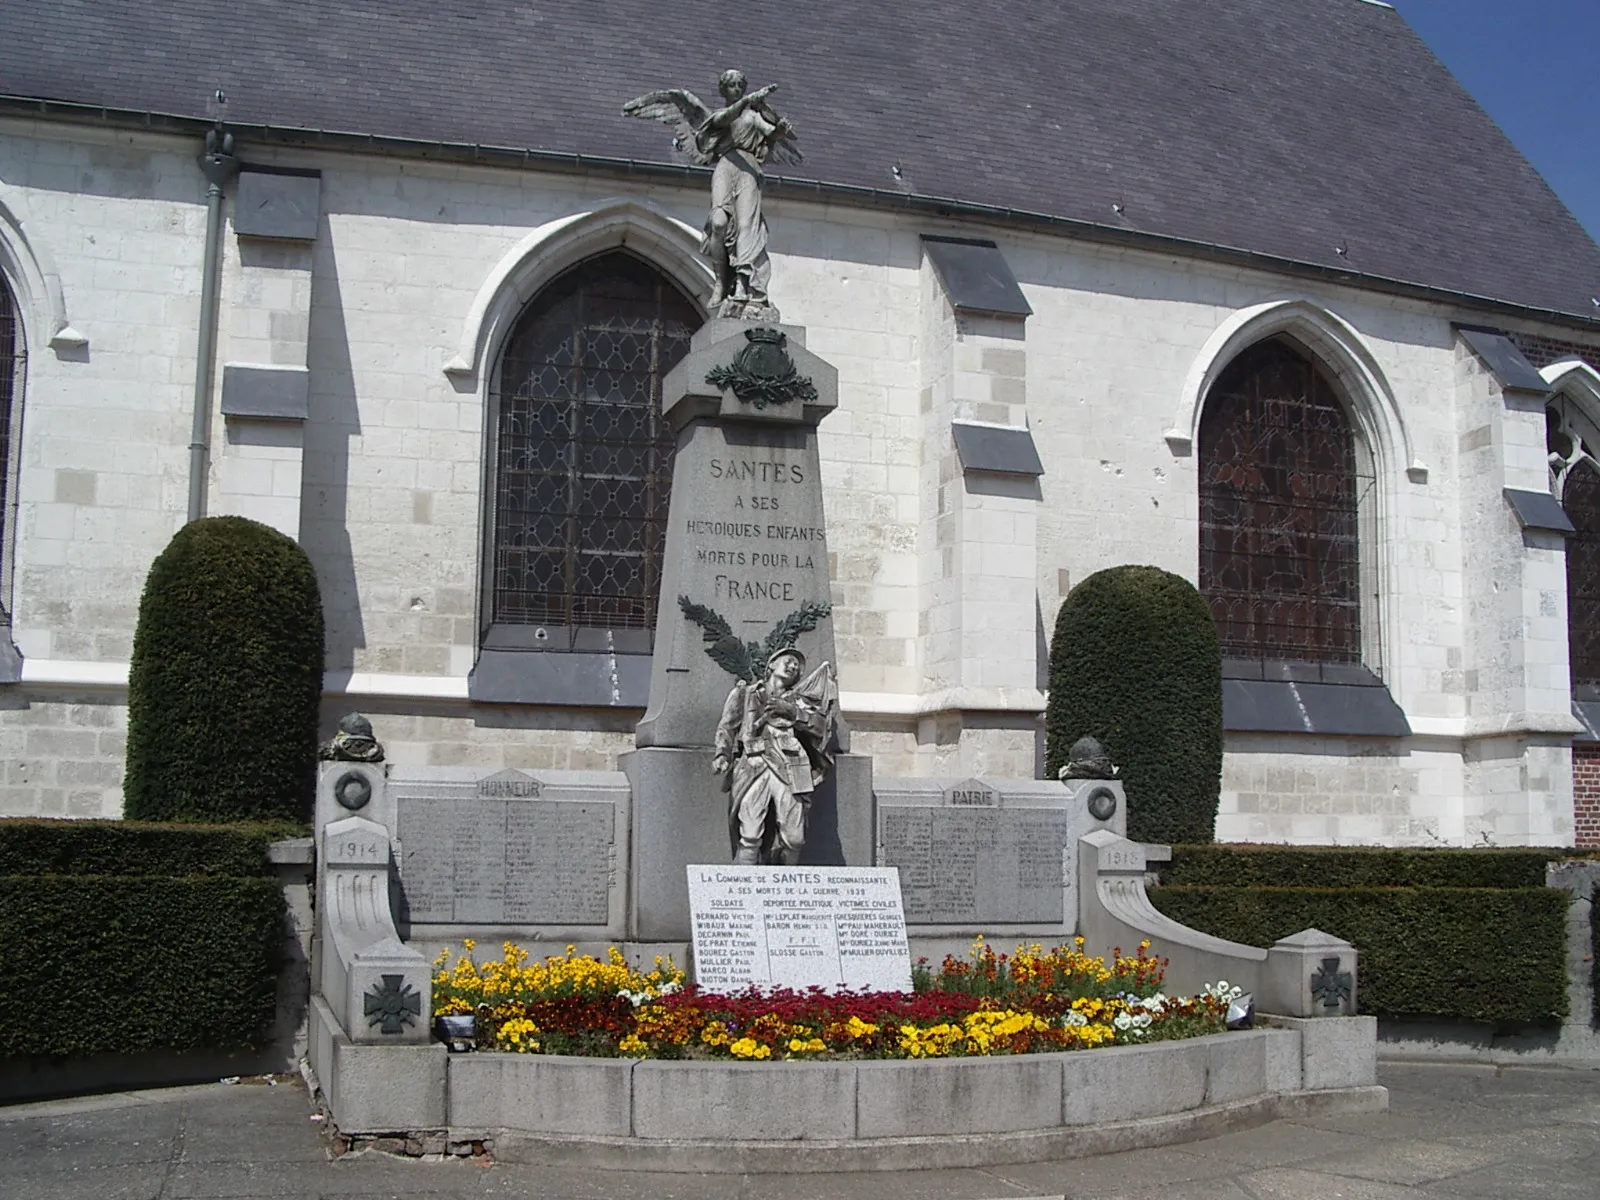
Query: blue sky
pixel 1530 64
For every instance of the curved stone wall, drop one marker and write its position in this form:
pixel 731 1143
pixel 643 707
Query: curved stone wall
pixel 895 1115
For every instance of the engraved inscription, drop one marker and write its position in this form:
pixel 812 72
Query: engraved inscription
pixel 828 927
pixel 509 784
pixel 976 864
pixel 1122 857
pixel 517 862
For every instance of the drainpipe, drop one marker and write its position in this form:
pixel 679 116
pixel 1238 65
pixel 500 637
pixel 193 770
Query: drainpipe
pixel 219 165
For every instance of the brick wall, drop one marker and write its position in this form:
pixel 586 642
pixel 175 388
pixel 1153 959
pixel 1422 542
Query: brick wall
pixel 1586 794
pixel 1542 351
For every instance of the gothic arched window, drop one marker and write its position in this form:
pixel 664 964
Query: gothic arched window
pixel 11 358
pixel 1575 479
pixel 580 456
pixel 1279 534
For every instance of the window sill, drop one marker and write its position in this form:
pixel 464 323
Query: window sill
pixel 1333 699
pixel 579 679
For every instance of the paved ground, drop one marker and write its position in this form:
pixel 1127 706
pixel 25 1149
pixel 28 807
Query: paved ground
pixel 1452 1131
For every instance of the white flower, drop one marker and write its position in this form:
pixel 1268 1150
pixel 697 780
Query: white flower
pixel 1141 1020
pixel 1074 1018
pixel 1123 1021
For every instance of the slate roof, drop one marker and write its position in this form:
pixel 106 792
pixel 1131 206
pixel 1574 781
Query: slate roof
pixel 1283 127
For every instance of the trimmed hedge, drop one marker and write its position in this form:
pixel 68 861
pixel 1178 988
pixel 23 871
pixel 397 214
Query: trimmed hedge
pixel 225 679
pixel 58 847
pixel 119 964
pixel 122 937
pixel 1468 953
pixel 1368 867
pixel 1135 663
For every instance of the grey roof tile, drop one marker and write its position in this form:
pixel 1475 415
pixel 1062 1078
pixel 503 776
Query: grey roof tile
pixel 1284 127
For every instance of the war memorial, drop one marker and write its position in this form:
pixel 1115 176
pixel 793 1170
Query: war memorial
pixel 692 520
pixel 835 875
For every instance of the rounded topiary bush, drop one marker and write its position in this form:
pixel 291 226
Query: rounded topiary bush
pixel 225 679
pixel 1135 663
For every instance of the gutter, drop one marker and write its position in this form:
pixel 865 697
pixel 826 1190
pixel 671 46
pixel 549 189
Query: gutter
pixel 571 163
pixel 218 164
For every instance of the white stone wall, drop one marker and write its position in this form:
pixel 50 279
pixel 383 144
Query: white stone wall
pixel 391 476
pixel 1341 791
pixel 105 433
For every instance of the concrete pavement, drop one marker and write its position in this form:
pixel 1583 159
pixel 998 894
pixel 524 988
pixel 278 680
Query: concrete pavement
pixel 1453 1130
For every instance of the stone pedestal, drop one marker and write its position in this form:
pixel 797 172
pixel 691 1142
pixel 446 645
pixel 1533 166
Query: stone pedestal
pixel 746 534
pixel 680 816
pixel 1309 974
pixel 747 547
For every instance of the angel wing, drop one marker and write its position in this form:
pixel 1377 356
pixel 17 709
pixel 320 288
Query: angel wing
pixel 785 153
pixel 682 110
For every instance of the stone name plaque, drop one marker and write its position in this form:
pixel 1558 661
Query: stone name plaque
pixel 486 860
pixel 970 865
pixel 798 927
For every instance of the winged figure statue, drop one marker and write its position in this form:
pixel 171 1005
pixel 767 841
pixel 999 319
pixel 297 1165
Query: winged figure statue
pixel 735 140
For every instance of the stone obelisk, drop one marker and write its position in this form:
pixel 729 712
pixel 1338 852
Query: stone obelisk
pixel 746 551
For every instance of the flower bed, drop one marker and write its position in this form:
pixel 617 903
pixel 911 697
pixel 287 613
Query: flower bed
pixel 993 1004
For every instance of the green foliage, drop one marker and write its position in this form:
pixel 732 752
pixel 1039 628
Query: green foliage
pixel 1363 866
pixel 125 937
pixel 1135 663
pixel 225 679
pixel 748 660
pixel 1485 954
pixel 118 964
pixel 46 847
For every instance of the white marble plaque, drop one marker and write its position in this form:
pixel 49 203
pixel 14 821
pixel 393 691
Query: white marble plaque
pixel 798 927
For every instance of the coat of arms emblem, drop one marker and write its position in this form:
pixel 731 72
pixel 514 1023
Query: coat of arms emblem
pixel 762 373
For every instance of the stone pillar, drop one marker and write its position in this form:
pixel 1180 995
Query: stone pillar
pixel 978 541
pixel 1517 767
pixel 747 548
pixel 266 322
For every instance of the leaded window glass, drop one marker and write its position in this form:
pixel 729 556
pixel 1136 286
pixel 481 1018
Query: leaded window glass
pixel 1279 539
pixel 582 457
pixel 11 351
pixel 1575 478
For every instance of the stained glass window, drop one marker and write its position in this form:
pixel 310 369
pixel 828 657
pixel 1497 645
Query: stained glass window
pixel 10 387
pixel 1279 543
pixel 1576 480
pixel 582 458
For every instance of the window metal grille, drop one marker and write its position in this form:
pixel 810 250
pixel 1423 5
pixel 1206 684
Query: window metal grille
pixel 1576 480
pixel 582 456
pixel 11 357
pixel 1279 542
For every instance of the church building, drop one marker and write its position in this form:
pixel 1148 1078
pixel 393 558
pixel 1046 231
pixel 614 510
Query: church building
pixel 1253 292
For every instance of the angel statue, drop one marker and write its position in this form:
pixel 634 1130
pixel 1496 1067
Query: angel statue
pixel 774 747
pixel 737 138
